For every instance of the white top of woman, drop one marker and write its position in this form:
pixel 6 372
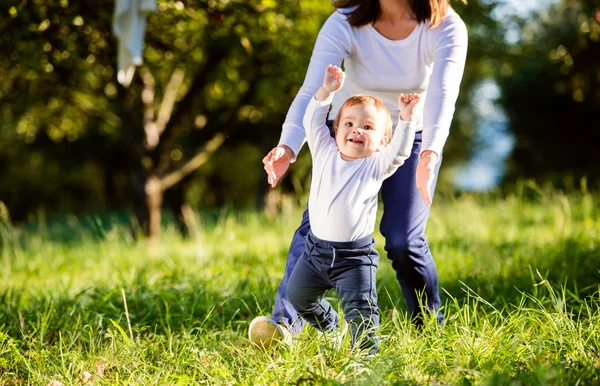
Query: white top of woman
pixel 384 68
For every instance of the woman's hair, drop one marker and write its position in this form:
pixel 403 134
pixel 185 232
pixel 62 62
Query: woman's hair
pixel 367 11
pixel 363 99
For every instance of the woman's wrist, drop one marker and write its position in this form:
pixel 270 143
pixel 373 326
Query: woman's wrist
pixel 429 155
pixel 288 151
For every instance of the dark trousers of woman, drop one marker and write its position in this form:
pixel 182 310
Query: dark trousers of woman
pixel 349 267
pixel 403 226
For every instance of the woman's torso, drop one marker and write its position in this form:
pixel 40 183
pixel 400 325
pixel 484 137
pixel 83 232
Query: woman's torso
pixel 385 68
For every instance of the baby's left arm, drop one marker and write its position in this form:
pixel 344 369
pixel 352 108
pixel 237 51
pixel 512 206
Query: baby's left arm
pixel 400 147
pixel 397 151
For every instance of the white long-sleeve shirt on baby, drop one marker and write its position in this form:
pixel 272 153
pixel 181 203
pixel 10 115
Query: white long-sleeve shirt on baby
pixel 430 62
pixel 342 205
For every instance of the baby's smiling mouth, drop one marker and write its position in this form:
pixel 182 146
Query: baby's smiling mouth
pixel 356 141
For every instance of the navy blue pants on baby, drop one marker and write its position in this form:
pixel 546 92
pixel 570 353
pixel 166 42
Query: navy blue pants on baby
pixel 349 268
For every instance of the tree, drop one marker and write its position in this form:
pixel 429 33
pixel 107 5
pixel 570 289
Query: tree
pixel 211 69
pixel 551 94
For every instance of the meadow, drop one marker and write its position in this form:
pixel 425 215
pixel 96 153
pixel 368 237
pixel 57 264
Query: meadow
pixel 84 302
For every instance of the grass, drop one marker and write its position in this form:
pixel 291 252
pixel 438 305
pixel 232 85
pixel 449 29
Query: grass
pixel 520 278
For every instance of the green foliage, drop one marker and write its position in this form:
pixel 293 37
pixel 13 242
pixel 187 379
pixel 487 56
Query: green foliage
pixel 65 57
pixel 551 93
pixel 74 118
pixel 59 57
pixel 520 277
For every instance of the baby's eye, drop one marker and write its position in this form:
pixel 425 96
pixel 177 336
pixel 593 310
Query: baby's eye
pixel 349 124
pixel 367 127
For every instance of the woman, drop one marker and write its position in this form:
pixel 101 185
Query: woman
pixel 387 47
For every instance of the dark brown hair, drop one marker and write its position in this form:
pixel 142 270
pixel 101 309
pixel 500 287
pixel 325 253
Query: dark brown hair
pixel 363 99
pixel 367 11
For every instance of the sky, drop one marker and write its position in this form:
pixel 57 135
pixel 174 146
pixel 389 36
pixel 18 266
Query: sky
pixel 523 7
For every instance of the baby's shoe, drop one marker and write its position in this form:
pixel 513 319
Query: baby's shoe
pixel 265 333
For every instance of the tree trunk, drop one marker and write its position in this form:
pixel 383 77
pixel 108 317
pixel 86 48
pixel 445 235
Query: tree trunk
pixel 154 201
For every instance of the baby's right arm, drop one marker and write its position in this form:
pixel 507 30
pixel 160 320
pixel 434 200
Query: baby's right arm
pixel 317 132
pixel 332 82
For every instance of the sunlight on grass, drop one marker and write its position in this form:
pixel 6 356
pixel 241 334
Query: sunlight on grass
pixel 519 277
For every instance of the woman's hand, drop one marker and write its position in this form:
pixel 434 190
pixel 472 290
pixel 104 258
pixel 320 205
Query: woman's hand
pixel 277 163
pixel 425 174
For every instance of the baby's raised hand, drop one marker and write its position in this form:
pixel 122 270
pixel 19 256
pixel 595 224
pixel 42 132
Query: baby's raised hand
pixel 407 104
pixel 333 79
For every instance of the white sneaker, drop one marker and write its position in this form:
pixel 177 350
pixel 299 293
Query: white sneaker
pixel 264 332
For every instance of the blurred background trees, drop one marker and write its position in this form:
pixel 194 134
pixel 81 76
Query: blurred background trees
pixel 217 80
pixel 213 70
pixel 550 90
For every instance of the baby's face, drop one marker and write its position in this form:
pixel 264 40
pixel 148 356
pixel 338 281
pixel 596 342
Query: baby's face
pixel 360 131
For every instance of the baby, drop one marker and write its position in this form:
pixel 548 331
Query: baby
pixel 347 173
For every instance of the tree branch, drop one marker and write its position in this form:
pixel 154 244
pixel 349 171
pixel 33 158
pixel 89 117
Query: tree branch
pixel 213 144
pixel 168 102
pixel 216 53
pixel 194 163
pixel 150 128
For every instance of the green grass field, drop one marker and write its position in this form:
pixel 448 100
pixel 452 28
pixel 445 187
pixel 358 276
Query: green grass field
pixel 519 277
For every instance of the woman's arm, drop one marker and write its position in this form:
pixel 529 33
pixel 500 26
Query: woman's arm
pixel 450 51
pixel 332 47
